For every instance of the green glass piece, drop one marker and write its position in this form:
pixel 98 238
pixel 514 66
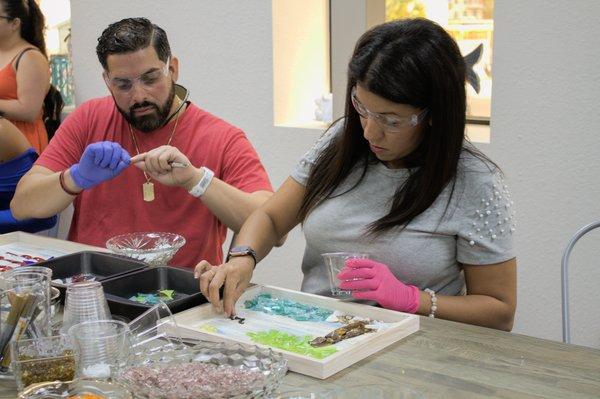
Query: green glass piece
pixel 291 343
pixel 167 294
pixel 286 307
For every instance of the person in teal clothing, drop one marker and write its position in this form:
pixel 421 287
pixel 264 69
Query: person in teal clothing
pixel 16 158
pixel 394 178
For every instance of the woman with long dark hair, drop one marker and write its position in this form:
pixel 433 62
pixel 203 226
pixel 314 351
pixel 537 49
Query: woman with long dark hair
pixel 394 178
pixel 24 75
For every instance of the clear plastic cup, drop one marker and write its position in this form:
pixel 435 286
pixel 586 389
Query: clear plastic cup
pixel 23 313
pixel 35 280
pixel 154 330
pixel 55 310
pixel 84 302
pixel 28 269
pixel 335 262
pixel 102 348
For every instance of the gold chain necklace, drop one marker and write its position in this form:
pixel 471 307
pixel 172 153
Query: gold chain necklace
pixel 148 186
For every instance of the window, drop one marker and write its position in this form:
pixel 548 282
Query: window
pixel 58 38
pixel 471 24
pixel 313 40
pixel 301 63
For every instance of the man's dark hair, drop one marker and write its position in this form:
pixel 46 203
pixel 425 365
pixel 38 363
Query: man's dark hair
pixel 129 35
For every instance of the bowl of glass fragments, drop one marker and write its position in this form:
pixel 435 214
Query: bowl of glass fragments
pixel 154 248
pixel 206 370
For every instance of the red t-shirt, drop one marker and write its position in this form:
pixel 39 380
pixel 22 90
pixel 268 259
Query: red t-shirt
pixel 116 206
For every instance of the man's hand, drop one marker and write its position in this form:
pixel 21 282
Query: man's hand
pixel 167 165
pixel 235 275
pixel 100 162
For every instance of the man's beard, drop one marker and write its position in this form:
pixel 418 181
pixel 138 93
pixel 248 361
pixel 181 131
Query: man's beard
pixel 149 122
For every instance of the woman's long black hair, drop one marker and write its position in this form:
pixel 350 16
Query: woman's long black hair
pixel 32 30
pixel 410 61
pixel 32 21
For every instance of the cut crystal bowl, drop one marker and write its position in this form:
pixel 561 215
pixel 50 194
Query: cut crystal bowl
pixel 206 370
pixel 154 248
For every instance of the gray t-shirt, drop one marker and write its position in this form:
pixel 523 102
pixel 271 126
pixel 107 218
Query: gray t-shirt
pixel 476 228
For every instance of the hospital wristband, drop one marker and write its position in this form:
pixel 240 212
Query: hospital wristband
pixel 203 184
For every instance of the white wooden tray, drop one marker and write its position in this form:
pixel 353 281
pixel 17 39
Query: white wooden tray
pixel 21 246
pixel 203 323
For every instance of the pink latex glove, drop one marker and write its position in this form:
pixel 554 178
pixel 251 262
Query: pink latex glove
pixel 377 283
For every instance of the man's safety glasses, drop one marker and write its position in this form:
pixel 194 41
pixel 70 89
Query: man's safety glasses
pixel 147 80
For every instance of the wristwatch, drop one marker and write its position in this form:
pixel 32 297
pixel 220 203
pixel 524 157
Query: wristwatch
pixel 202 185
pixel 243 250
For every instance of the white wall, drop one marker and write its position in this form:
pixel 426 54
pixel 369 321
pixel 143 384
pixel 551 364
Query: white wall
pixel 546 135
pixel 546 124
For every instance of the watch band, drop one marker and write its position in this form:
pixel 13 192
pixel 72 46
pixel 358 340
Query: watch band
pixel 242 251
pixel 203 184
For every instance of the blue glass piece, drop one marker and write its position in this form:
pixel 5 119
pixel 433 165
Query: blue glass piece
pixel 286 307
pixel 146 299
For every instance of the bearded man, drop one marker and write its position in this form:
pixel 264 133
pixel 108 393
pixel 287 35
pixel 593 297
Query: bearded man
pixel 211 175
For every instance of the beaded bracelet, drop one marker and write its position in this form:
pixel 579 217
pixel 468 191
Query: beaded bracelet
pixel 61 179
pixel 433 302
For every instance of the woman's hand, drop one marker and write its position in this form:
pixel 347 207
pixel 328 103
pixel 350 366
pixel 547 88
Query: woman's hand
pixel 374 281
pixel 234 275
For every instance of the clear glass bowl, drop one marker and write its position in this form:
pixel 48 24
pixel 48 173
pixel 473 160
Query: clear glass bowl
pixel 77 388
pixel 154 248
pixel 207 370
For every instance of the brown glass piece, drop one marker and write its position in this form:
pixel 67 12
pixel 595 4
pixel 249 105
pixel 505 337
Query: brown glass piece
pixel 348 331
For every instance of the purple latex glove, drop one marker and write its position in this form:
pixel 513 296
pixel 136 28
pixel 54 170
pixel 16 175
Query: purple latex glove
pixel 377 283
pixel 100 161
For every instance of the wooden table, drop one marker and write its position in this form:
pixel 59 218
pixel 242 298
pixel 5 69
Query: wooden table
pixel 67 247
pixel 453 360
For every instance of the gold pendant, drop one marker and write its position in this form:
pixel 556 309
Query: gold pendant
pixel 148 190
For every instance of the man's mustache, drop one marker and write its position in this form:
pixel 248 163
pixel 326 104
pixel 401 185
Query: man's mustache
pixel 143 105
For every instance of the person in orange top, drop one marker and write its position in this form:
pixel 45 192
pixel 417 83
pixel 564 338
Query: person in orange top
pixel 24 73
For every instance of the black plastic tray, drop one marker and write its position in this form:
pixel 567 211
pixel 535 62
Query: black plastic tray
pixel 102 264
pixel 120 289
